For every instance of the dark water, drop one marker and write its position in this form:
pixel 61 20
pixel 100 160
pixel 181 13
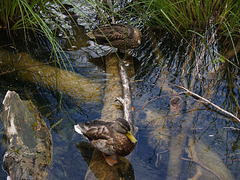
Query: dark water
pixel 150 158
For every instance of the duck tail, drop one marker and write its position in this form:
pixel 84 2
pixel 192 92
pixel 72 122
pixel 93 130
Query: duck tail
pixel 78 129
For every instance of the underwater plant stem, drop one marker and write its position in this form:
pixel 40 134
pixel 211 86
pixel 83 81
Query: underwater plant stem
pixel 202 54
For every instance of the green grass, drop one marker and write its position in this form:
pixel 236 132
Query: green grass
pixel 18 14
pixel 181 16
pixel 20 18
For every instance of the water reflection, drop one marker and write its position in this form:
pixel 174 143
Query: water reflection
pixel 98 168
pixel 192 118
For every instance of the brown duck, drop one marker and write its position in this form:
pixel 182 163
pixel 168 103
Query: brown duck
pixel 111 138
pixel 117 35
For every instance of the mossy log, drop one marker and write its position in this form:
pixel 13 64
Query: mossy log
pixel 33 71
pixel 98 168
pixel 112 109
pixel 29 140
pixel 208 165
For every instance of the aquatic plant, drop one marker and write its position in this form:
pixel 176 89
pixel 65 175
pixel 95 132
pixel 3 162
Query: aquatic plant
pixel 29 21
pixel 181 16
pixel 22 14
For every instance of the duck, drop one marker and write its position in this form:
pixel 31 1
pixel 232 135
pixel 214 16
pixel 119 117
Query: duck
pixel 112 138
pixel 120 36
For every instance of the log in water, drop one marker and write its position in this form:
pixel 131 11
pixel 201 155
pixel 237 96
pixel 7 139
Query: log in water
pixel 29 69
pixel 29 148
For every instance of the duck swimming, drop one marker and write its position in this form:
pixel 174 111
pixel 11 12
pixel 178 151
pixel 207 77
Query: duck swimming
pixel 111 138
pixel 118 35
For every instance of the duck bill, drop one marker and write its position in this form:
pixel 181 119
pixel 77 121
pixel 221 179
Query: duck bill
pixel 131 137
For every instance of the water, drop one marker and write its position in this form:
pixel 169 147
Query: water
pixel 158 64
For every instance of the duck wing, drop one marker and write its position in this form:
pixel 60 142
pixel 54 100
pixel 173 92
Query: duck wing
pixel 113 32
pixel 95 130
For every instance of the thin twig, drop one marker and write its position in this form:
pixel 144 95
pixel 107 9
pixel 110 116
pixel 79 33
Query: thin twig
pixel 53 126
pixel 209 102
pixel 233 128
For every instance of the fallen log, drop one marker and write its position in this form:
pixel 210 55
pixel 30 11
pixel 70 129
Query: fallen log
pixel 98 168
pixel 209 164
pixel 112 109
pixel 29 69
pixel 29 140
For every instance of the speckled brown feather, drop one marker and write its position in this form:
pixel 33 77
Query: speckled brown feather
pixel 97 129
pixel 102 136
pixel 124 146
pixel 120 36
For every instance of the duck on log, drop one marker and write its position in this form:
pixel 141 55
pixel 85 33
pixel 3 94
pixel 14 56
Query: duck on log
pixel 115 137
pixel 98 168
pixel 120 36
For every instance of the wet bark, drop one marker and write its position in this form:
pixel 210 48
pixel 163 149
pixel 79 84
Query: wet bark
pixel 112 109
pixel 29 140
pixel 33 71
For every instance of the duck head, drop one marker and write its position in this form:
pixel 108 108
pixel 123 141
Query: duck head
pixel 122 126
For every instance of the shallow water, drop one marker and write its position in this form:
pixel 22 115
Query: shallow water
pixel 159 59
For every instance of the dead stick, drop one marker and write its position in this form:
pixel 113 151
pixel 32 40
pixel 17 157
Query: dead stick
pixel 126 99
pixel 209 102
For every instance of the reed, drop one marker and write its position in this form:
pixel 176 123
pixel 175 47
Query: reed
pixel 24 18
pixel 196 15
pixel 18 14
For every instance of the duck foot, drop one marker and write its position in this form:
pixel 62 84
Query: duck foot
pixel 111 160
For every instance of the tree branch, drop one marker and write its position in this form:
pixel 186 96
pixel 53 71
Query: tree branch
pixel 209 102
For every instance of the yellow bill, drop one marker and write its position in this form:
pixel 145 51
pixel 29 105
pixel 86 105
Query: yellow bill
pixel 131 137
